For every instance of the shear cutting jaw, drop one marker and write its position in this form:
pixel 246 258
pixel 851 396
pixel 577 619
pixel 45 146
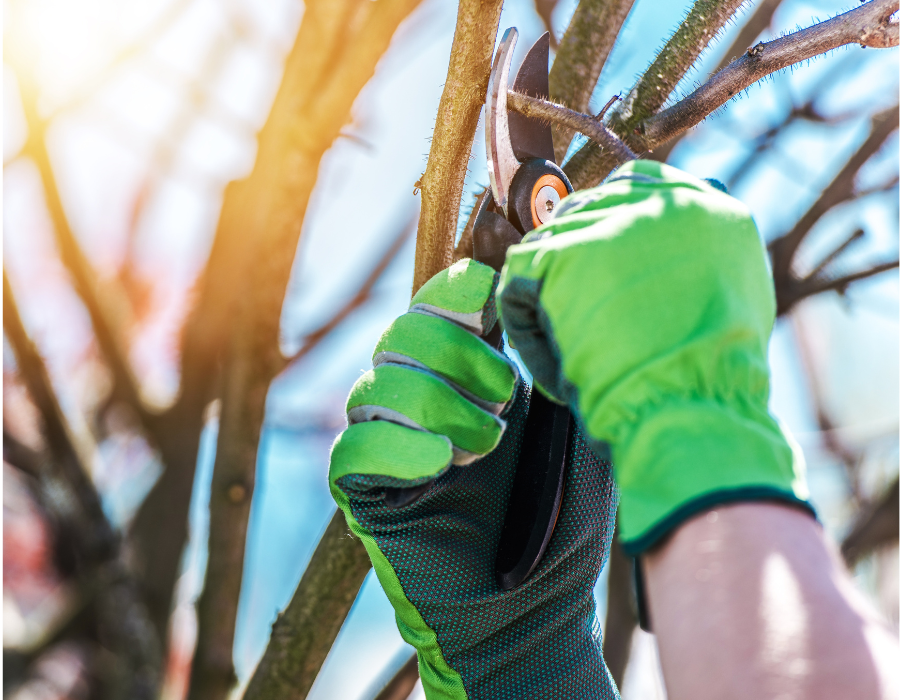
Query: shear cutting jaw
pixel 502 162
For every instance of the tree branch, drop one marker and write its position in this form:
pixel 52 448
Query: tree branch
pixel 810 287
pixel 464 247
pixel 789 289
pixel 104 319
pixel 580 59
pixel 592 164
pixel 621 611
pixel 401 685
pixel 868 25
pixel 253 356
pixel 574 121
pixel 334 53
pixel 755 25
pixel 875 525
pixel 121 615
pixel 363 294
pixel 303 634
pixel 457 118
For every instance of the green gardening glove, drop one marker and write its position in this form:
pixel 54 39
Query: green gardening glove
pixel 423 475
pixel 646 305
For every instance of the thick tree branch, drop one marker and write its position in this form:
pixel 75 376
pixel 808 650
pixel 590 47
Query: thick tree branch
pixel 575 121
pixel 334 53
pixel 580 59
pixel 303 634
pixel 591 164
pixel 868 25
pixel 253 356
pixel 457 118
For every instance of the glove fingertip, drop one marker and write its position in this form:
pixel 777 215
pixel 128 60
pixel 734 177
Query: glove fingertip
pixel 383 449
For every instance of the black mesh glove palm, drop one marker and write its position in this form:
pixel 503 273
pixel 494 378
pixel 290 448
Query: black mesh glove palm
pixel 435 556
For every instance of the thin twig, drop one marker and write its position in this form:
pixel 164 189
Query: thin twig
pixel 811 287
pixel 587 125
pixel 582 54
pixel 868 25
pixel 783 250
pixel 362 295
pixel 609 103
pixel 464 248
pixel 107 330
pixel 442 183
pixel 824 262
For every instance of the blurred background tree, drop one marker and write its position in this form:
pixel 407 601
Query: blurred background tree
pixel 209 219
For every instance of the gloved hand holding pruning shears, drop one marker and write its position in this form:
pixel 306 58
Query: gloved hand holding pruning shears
pixel 645 307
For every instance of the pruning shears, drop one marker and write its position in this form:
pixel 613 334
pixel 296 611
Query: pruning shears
pixel 526 185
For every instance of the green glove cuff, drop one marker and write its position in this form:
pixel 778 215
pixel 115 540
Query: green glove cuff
pixel 686 457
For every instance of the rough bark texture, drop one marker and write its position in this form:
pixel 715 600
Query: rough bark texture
pixel 755 25
pixel 442 183
pixel 591 164
pixel 582 54
pixel 867 25
pixel 303 634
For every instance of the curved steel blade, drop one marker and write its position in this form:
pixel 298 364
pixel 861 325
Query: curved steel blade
pixel 501 161
pixel 532 138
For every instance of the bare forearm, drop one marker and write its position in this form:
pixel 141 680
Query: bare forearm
pixel 750 601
